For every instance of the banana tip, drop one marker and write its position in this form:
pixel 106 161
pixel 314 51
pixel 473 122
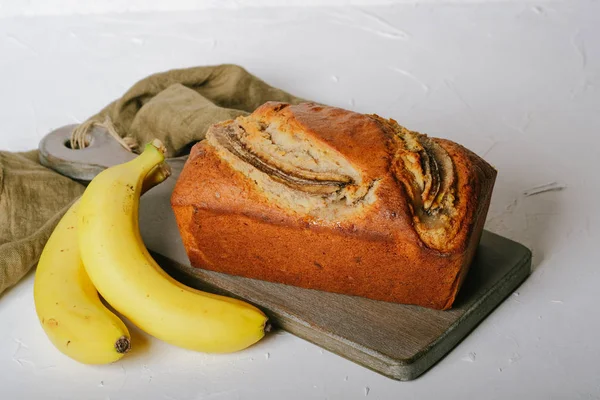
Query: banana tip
pixel 268 327
pixel 123 345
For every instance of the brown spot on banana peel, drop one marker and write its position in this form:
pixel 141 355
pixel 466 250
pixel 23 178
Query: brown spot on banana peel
pixel 52 323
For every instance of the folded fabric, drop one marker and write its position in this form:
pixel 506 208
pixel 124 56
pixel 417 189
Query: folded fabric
pixel 178 106
pixel 32 199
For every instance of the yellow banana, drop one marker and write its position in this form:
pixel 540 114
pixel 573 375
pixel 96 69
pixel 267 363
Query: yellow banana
pixel 129 279
pixel 66 301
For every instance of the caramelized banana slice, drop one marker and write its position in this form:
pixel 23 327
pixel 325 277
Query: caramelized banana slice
pixel 318 182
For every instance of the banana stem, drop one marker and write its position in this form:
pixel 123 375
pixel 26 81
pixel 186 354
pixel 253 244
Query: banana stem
pixel 158 145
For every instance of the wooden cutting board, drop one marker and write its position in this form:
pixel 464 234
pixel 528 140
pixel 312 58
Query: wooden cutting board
pixel 398 341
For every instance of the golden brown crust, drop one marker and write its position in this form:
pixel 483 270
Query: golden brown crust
pixel 362 237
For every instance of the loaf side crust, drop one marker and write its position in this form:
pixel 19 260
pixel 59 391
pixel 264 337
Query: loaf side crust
pixel 231 224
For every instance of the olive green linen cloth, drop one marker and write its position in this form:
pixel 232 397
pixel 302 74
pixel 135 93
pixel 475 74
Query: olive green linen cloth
pixel 176 107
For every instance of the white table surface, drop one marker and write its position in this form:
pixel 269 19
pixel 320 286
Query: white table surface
pixel 516 82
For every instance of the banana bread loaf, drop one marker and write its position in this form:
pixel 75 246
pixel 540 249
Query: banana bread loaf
pixel 329 199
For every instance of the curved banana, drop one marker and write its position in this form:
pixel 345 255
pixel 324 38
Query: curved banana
pixel 67 304
pixel 127 276
pixel 66 301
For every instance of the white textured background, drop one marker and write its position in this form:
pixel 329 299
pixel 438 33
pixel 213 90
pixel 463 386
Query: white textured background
pixel 12 8
pixel 516 82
